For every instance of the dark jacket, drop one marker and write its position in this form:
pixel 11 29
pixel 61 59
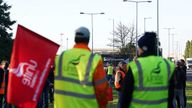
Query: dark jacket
pixel 128 88
pixel 179 78
pixel 184 68
pixel 1 75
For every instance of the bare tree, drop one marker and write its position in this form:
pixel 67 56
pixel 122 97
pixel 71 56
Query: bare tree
pixel 124 39
pixel 131 36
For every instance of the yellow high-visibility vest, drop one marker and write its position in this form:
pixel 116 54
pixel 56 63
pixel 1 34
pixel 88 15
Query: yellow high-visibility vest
pixel 109 70
pixel 74 86
pixel 151 80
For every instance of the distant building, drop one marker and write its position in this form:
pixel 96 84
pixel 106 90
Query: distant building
pixel 110 55
pixel 105 51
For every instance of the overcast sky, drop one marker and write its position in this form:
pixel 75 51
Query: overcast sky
pixel 50 18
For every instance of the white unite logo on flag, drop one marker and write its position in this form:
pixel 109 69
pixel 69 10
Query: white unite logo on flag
pixel 28 72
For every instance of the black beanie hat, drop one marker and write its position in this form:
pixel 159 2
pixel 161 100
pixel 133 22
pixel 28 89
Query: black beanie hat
pixel 148 42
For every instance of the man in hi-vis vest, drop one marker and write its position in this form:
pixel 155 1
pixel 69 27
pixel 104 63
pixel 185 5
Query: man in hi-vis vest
pixel 149 80
pixel 80 79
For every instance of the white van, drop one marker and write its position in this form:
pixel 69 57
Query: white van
pixel 189 63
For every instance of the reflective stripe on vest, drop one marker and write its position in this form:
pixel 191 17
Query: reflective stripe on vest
pixel 101 81
pixel 84 82
pixel 117 85
pixel 122 73
pixel 141 78
pixel 151 102
pixel 145 95
pixel 74 86
pixel 168 68
pixel 74 94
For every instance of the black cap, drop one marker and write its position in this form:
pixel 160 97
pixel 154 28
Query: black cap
pixel 148 42
pixel 82 34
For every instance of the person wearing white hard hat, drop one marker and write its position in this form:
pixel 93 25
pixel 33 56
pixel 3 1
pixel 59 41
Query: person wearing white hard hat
pixel 80 79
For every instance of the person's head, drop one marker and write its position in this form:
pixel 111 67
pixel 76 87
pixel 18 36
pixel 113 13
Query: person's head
pixel 82 35
pixel 178 63
pixel 182 62
pixel 148 44
pixel 122 65
pixel 4 64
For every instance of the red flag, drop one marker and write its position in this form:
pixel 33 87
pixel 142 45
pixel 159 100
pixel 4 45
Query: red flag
pixel 31 59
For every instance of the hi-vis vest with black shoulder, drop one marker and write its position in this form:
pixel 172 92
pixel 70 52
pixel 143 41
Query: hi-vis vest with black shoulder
pixel 74 86
pixel 151 80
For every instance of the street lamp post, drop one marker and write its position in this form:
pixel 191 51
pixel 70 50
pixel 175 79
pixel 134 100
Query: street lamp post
pixel 158 28
pixel 145 23
pixel 173 42
pixel 169 29
pixel 113 34
pixel 67 43
pixel 61 40
pixel 92 23
pixel 136 2
pixel 61 44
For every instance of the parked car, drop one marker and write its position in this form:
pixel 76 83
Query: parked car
pixel 189 63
